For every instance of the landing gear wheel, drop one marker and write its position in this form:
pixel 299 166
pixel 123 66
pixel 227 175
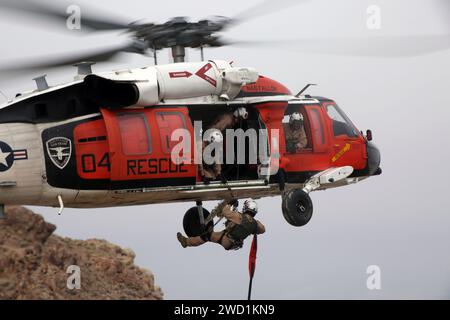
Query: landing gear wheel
pixel 297 207
pixel 191 222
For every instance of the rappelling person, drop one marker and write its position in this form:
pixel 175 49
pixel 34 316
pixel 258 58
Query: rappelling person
pixel 294 132
pixel 237 227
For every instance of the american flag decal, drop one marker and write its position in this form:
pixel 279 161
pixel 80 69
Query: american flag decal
pixel 20 154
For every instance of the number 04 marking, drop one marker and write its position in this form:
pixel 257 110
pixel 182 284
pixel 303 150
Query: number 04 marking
pixel 89 163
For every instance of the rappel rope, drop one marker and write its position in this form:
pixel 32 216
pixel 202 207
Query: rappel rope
pixel 252 264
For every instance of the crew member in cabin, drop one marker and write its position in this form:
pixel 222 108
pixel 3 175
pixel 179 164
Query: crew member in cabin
pixel 295 134
pixel 225 121
pixel 238 227
pixel 230 120
pixel 211 171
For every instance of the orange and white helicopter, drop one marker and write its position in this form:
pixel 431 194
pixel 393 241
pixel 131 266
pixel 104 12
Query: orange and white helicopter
pixel 106 139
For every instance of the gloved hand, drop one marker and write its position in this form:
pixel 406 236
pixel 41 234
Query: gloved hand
pixel 226 211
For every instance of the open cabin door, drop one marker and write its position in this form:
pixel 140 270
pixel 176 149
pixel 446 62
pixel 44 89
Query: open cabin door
pixel 271 114
pixel 140 148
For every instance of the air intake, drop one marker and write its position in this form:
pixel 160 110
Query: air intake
pixel 41 83
pixel 84 68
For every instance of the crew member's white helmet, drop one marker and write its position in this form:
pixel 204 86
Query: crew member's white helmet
pixel 296 116
pixel 250 206
pixel 213 135
pixel 241 112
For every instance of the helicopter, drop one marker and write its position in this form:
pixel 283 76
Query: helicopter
pixel 106 138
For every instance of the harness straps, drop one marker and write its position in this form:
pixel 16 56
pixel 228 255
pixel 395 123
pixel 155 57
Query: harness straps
pixel 221 237
pixel 235 245
pixel 239 232
pixel 247 227
pixel 206 235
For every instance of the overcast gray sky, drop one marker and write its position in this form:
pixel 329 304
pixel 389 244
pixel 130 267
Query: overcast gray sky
pixel 399 221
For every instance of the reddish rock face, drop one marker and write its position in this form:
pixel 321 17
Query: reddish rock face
pixel 34 262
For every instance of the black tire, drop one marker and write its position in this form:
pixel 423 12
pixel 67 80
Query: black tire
pixel 297 207
pixel 191 222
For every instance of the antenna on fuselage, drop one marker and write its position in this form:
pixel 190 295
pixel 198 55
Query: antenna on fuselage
pixel 84 68
pixel 41 83
pixel 304 89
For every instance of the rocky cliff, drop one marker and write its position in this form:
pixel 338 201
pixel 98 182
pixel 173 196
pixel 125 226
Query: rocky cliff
pixel 34 264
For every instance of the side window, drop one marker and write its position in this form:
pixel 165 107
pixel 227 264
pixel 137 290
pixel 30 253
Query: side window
pixel 341 124
pixel 168 122
pixel 135 134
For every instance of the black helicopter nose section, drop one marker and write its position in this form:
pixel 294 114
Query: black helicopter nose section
pixel 374 159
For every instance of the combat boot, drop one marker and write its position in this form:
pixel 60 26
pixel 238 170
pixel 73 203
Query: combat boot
pixel 182 240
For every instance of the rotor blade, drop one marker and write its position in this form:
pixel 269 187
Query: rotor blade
pixel 380 46
pixel 63 14
pixel 263 8
pixel 99 56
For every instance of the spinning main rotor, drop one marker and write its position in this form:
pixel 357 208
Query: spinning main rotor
pixel 179 33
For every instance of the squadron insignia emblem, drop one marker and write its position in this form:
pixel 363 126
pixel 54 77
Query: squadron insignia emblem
pixel 59 150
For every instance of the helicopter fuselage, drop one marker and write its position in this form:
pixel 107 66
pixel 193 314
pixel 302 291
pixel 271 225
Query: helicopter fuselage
pixel 62 148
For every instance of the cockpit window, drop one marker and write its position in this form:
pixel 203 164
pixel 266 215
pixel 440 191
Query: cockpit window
pixel 341 123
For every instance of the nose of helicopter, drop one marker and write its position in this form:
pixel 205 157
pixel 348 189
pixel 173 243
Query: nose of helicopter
pixel 374 159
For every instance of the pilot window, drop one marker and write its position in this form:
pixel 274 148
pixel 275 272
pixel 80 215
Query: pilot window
pixel 341 124
pixel 296 129
pixel 167 123
pixel 135 134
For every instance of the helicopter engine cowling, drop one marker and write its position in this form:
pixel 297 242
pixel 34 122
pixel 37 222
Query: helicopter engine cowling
pixel 185 80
